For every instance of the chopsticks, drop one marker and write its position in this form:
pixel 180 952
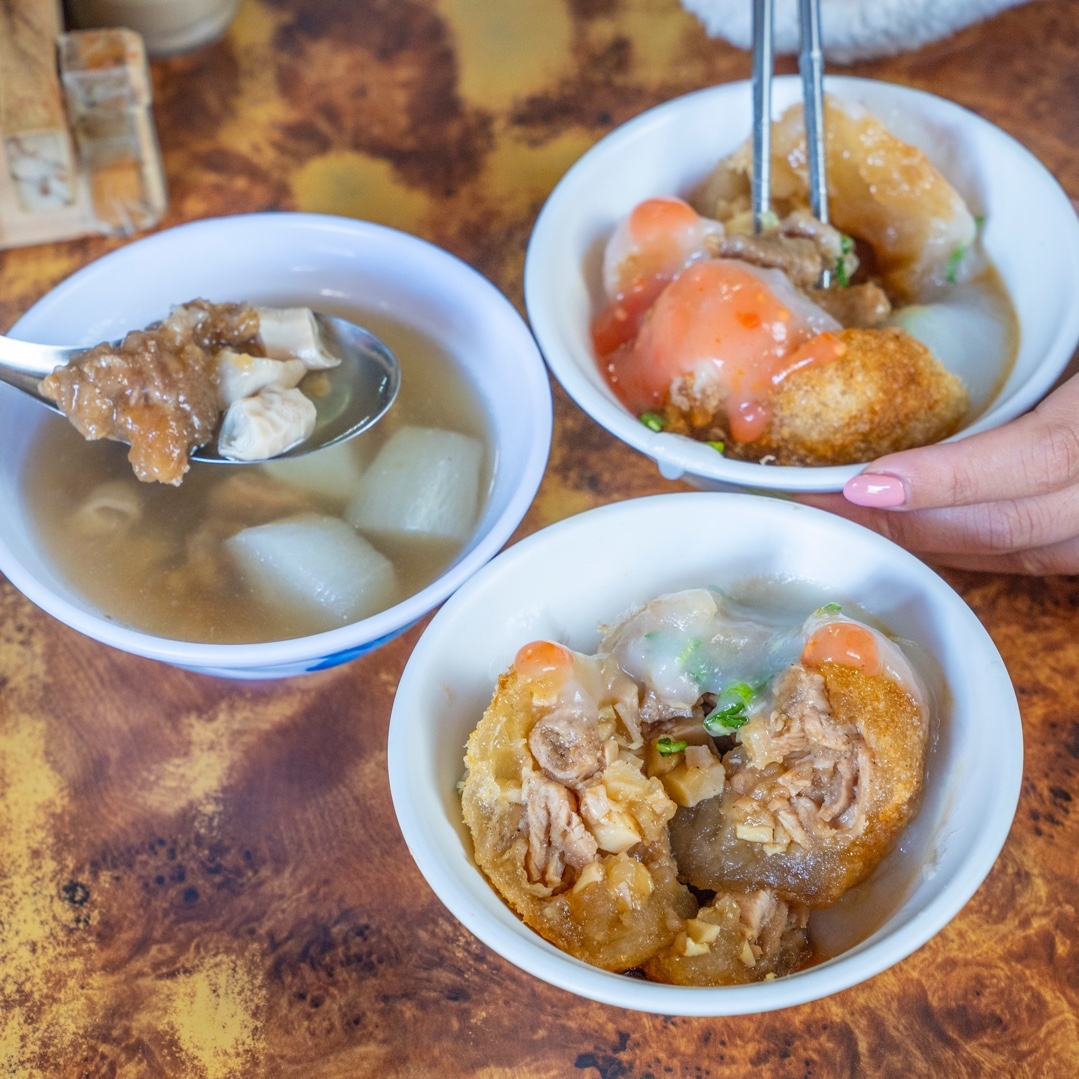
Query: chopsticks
pixel 811 65
pixel 763 61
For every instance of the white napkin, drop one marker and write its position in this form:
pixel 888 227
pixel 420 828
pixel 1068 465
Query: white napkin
pixel 851 29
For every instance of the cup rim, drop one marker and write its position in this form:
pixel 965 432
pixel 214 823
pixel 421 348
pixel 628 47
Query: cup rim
pixel 514 941
pixel 384 623
pixel 676 455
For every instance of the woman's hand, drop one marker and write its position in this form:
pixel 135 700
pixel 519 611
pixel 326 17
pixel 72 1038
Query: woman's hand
pixel 1005 501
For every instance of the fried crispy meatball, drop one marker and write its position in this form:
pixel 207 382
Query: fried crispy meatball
pixel 888 392
pixel 584 858
pixel 816 796
pixel 737 938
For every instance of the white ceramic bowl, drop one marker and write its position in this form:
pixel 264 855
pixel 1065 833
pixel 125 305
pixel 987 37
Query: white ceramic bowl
pixel 1031 233
pixel 562 582
pixel 331 264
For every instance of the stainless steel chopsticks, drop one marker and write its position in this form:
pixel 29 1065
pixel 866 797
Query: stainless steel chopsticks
pixel 763 60
pixel 811 65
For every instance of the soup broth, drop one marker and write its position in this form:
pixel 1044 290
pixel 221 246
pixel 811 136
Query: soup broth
pixel 154 557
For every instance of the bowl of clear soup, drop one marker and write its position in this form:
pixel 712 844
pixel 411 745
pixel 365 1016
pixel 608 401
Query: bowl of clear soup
pixel 297 564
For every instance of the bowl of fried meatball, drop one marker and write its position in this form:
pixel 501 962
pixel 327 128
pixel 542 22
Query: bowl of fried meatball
pixel 782 351
pixel 731 764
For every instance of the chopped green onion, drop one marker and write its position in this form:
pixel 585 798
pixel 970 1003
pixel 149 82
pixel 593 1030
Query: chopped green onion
pixel 732 715
pixel 726 719
pixel 831 608
pixel 979 220
pixel 689 651
pixel 653 421
pixel 952 272
pixel 742 690
pixel 769 221
pixel 846 246
pixel 719 447
pixel 668 747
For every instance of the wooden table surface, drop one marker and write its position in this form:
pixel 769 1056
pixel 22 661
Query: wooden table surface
pixel 205 879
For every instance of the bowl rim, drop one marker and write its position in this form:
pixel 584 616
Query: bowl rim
pixel 531 953
pixel 676 455
pixel 256 656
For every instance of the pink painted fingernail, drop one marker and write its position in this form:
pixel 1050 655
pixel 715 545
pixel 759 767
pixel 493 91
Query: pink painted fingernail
pixel 876 490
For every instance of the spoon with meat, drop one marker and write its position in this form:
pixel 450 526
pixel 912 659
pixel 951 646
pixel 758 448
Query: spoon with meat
pixel 221 383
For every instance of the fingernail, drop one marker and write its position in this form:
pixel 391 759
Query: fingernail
pixel 876 490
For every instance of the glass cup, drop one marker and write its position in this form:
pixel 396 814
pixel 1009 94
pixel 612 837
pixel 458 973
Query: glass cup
pixel 167 26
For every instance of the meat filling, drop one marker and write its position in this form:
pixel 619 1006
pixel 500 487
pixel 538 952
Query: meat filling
pixel 568 749
pixel 800 777
pixel 557 837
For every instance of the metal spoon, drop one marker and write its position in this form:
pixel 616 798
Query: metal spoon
pixel 358 393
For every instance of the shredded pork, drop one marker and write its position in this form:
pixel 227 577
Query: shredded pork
pixel 805 776
pixel 557 836
pixel 767 922
pixel 567 747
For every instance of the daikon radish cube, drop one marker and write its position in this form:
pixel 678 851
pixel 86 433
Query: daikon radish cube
pixel 967 333
pixel 424 482
pixel 292 333
pixel 335 472
pixel 265 425
pixel 314 564
pixel 240 375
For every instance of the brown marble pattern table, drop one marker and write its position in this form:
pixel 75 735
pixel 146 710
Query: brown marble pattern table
pixel 205 879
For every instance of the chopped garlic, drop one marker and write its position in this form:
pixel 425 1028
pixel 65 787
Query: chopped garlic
pixel 702 932
pixel 692 948
pixel 613 828
pixel 754 833
pixel 591 874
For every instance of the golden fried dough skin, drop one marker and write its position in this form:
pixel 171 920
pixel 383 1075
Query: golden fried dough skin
pixel 881 190
pixel 711 855
pixel 886 393
pixel 617 908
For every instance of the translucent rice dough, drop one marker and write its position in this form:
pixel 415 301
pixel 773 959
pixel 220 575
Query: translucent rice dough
pixel 315 564
pixel 424 482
